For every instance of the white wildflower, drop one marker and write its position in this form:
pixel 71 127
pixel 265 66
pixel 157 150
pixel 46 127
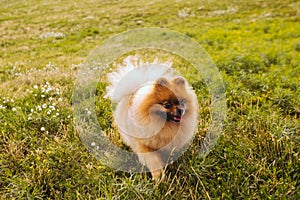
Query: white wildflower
pixel 39 108
pixel 56 35
pixel 49 89
pixel 42 128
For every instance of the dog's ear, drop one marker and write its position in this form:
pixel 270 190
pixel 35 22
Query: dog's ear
pixel 162 82
pixel 179 81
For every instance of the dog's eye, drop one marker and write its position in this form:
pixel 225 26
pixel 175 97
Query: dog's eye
pixel 167 105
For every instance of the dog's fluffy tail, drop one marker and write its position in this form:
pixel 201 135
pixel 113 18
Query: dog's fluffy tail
pixel 133 75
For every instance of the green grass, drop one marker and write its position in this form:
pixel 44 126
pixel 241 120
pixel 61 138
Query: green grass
pixel 256 47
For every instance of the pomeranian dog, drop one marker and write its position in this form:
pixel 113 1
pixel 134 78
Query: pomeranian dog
pixel 156 111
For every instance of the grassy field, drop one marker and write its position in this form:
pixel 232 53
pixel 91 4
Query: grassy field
pixel 255 45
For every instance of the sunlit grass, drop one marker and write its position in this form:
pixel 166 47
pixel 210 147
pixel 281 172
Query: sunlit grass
pixel 255 45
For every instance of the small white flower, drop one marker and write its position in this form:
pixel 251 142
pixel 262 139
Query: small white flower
pixel 50 98
pixel 2 107
pixel 42 128
pixel 57 114
pixel 43 96
pixel 44 105
pixel 39 108
pixel 89 112
pixel 35 87
pixel 93 144
pixel 55 35
pixel 59 99
pixel 12 100
pixel 48 112
pixel 31 110
pixel 14 109
pixel 57 91
pixel 49 89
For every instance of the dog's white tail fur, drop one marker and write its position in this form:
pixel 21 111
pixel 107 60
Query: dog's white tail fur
pixel 133 75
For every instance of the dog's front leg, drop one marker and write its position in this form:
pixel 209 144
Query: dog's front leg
pixel 152 159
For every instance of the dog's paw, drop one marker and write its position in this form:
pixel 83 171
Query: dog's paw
pixel 158 175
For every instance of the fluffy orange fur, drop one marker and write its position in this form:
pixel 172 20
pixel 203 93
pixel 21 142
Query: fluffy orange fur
pixel 157 119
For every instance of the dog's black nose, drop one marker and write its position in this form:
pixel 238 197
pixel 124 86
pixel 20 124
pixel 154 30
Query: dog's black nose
pixel 180 111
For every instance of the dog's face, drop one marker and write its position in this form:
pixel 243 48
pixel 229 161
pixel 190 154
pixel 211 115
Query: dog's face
pixel 174 109
pixel 169 99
